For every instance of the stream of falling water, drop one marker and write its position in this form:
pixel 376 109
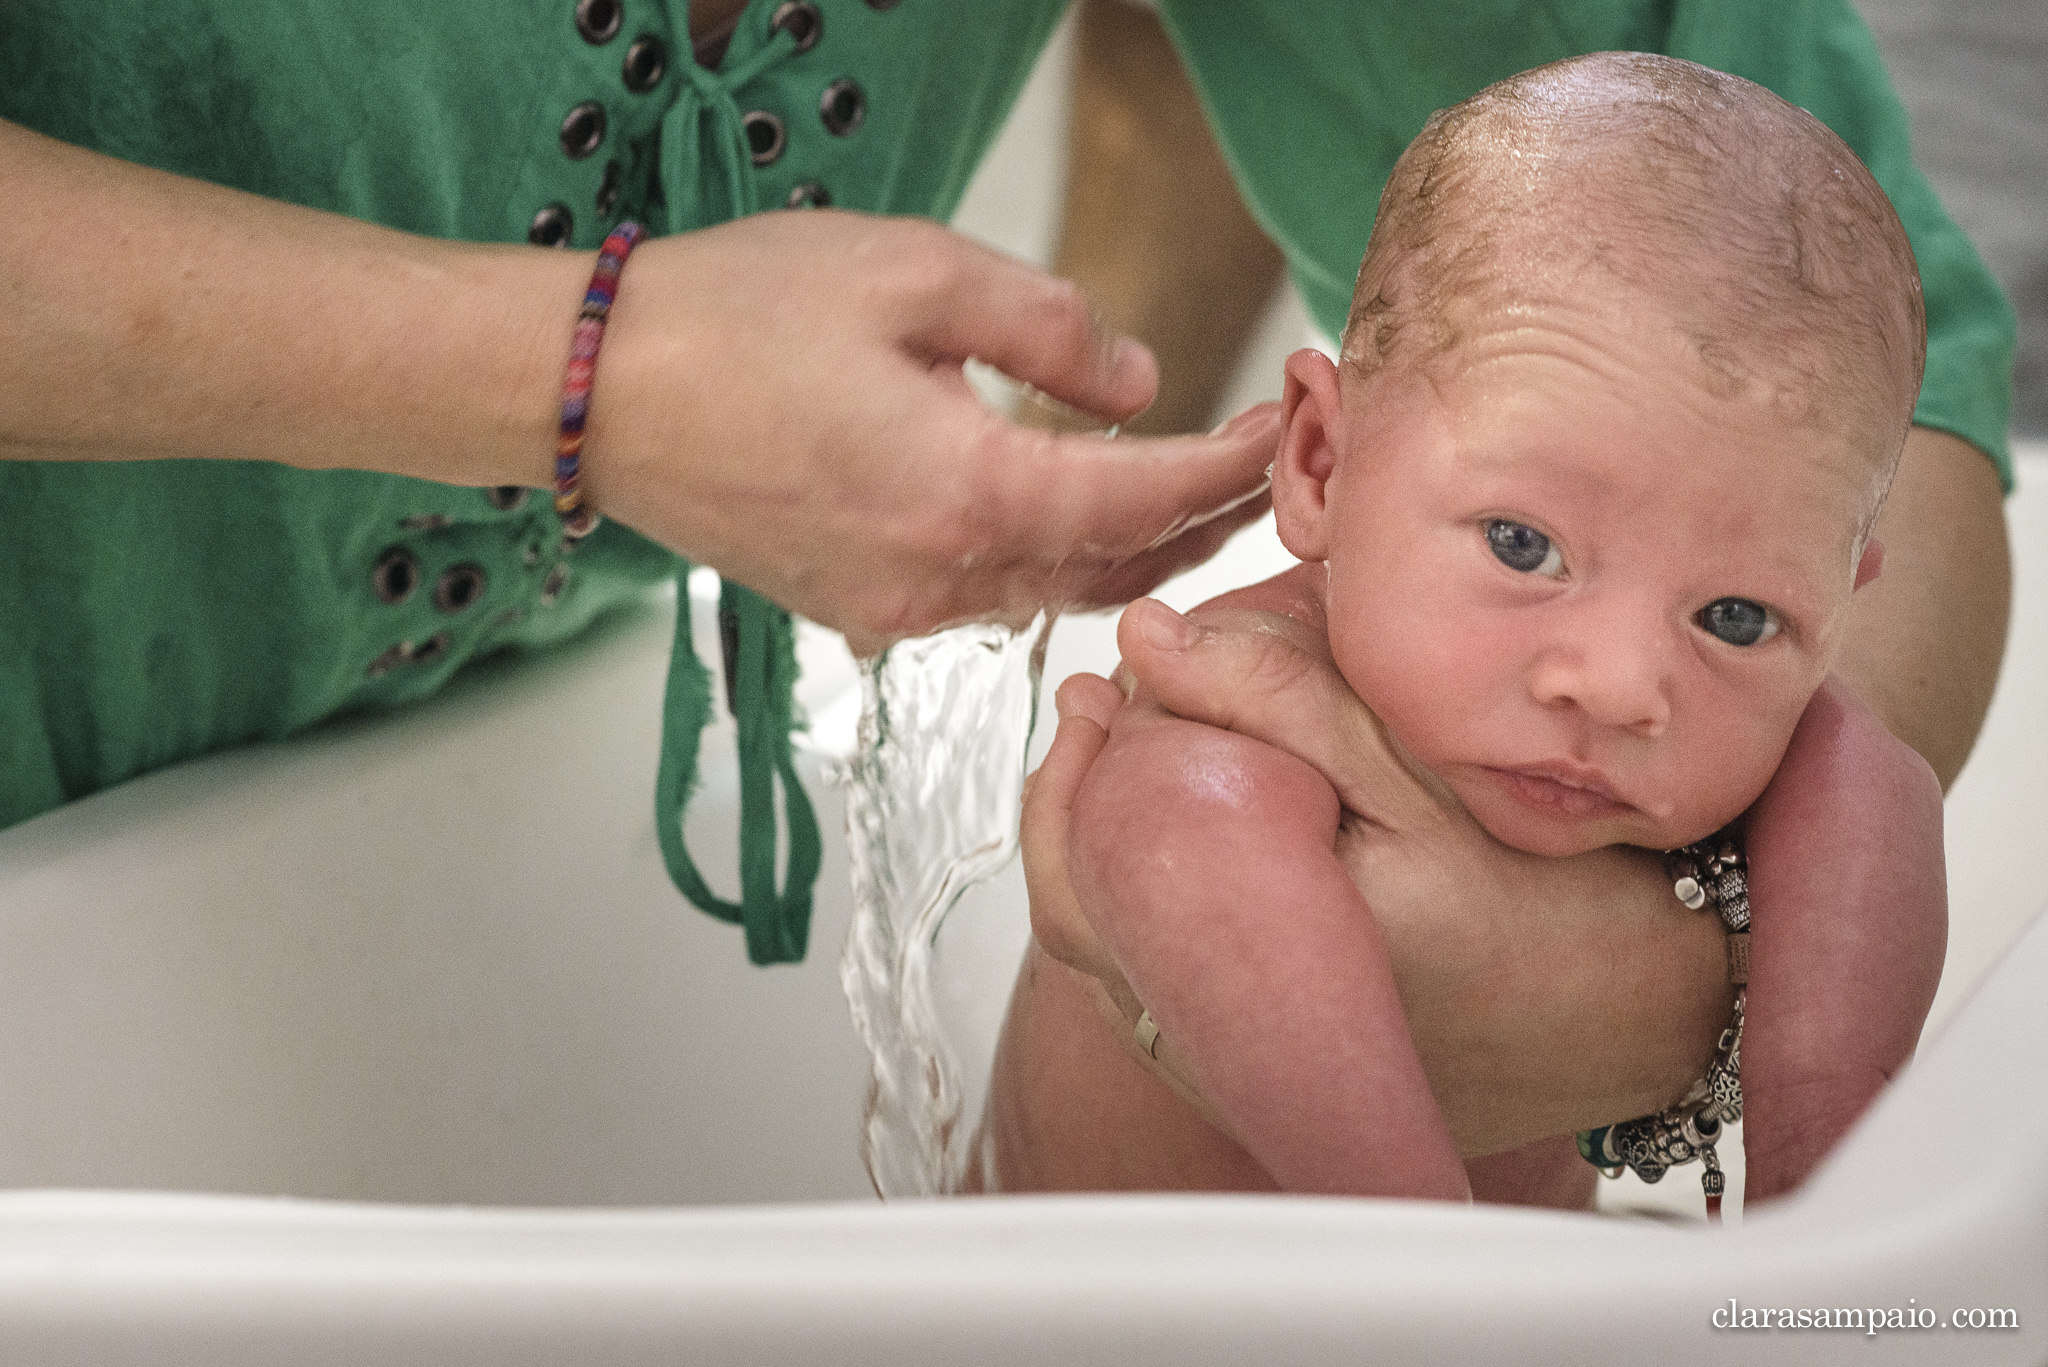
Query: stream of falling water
pixel 933 795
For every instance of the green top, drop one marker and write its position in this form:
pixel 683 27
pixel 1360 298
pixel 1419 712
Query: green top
pixel 1314 102
pixel 154 611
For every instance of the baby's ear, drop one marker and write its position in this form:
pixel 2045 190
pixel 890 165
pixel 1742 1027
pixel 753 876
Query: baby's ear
pixel 1872 563
pixel 1312 418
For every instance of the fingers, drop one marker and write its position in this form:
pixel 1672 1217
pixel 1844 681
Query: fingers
pixel 1086 704
pixel 1080 520
pixel 1116 501
pixel 1247 672
pixel 1090 697
pixel 1147 571
pixel 1035 328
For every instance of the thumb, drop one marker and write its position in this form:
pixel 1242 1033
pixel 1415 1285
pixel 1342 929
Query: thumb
pixel 1259 674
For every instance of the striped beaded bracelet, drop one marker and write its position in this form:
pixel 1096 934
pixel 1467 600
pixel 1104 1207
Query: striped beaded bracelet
pixel 578 519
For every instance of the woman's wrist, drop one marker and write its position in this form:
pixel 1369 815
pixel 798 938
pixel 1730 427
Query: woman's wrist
pixel 471 343
pixel 211 323
pixel 519 308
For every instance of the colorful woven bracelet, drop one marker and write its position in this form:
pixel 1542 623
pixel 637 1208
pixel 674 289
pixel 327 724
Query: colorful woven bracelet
pixel 579 520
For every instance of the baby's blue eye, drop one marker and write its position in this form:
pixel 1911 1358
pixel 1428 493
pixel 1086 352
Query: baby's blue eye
pixel 1738 621
pixel 1523 548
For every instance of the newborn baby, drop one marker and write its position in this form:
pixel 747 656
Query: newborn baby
pixel 1630 363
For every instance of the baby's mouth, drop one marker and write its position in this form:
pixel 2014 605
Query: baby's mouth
pixel 1568 791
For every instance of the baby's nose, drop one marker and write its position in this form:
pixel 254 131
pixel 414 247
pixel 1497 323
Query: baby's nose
pixel 1617 676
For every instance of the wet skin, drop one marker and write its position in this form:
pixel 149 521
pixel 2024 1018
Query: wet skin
pixel 1576 702
pixel 1583 702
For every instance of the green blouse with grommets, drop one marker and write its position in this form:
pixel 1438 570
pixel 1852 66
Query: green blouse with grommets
pixel 155 611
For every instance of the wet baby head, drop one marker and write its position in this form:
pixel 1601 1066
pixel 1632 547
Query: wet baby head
pixel 1632 358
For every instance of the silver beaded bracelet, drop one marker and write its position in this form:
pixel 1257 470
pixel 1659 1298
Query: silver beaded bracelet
pixel 1712 873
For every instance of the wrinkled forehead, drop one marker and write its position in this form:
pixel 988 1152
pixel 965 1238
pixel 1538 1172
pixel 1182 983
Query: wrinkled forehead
pixel 1599 395
pixel 1591 332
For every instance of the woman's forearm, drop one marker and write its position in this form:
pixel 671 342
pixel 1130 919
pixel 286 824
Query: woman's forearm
pixel 780 396
pixel 1927 635
pixel 1545 996
pixel 149 316
pixel 1152 226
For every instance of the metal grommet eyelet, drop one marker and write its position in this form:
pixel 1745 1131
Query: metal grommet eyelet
pixel 599 20
pixel 406 653
pixel 552 226
pixel 809 195
pixel 459 587
pixel 842 106
pixel 803 21
pixel 608 188
pixel 582 130
pixel 508 498
pixel 646 63
pixel 765 136
pixel 551 587
pixel 396 575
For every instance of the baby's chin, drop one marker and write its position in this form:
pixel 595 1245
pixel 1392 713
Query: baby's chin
pixel 1552 839
pixel 1539 819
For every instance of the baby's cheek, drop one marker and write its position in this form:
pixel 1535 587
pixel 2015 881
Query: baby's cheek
pixel 1435 702
pixel 1725 776
pixel 1414 655
pixel 1380 675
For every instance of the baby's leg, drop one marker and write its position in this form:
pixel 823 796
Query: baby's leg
pixel 1548 1173
pixel 1071 1108
pixel 1849 925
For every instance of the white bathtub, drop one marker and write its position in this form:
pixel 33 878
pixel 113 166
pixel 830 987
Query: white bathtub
pixel 394 1046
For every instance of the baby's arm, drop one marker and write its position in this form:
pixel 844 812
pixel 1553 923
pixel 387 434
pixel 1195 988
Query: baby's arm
pixel 1850 923
pixel 1257 957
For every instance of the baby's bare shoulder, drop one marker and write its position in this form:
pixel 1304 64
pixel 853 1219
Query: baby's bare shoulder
pixel 1295 594
pixel 1164 777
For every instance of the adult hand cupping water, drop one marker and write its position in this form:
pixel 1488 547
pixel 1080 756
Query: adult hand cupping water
pixel 1544 995
pixel 817 441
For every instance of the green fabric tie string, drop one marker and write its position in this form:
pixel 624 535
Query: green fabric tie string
pixel 707 176
pixel 707 169
pixel 760 679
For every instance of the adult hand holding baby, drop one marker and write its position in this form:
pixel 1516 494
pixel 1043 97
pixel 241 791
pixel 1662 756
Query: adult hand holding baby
pixel 1539 991
pixel 1543 994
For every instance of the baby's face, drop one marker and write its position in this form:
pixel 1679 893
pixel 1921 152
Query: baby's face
pixel 1583 580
